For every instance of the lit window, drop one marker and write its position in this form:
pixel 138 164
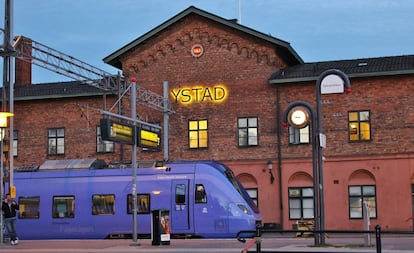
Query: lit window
pixel 56 141
pixel 299 135
pixel 358 195
pixel 200 194
pixel 359 126
pixel 103 204
pixel 247 131
pixel 29 207
pixel 103 146
pixel 198 133
pixel 143 204
pixel 301 203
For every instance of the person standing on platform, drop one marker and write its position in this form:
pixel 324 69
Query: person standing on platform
pixel 10 208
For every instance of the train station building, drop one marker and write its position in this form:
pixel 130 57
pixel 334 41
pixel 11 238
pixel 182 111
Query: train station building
pixel 229 86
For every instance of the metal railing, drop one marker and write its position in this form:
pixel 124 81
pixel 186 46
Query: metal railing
pixel 256 235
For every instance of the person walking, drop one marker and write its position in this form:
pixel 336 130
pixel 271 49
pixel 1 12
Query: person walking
pixel 9 208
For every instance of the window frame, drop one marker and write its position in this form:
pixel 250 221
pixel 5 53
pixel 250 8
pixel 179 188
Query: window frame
pixel 195 135
pixel 200 195
pixel 69 201
pixel 31 214
pixel 296 134
pixel 143 203
pixel 359 122
pixel 103 205
pixel 373 214
pixel 180 194
pixel 57 139
pixel 301 198
pixel 254 198
pixel 103 146
pixel 249 140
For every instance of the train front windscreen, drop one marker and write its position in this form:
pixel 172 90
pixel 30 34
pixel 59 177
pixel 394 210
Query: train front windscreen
pixel 237 185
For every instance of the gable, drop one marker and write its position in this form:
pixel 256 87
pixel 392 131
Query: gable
pixel 221 46
pixel 283 48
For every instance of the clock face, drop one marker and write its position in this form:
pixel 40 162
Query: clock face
pixel 298 117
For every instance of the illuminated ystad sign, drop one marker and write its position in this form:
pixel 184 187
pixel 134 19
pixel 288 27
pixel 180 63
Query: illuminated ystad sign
pixel 200 94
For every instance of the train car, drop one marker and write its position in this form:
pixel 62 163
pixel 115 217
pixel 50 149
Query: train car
pixel 204 199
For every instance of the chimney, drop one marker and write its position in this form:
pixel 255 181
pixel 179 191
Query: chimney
pixel 23 68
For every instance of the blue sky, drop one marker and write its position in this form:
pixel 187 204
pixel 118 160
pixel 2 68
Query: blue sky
pixel 319 30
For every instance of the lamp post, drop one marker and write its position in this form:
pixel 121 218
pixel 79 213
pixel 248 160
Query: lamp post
pixel 330 81
pixel 3 127
pixel 299 114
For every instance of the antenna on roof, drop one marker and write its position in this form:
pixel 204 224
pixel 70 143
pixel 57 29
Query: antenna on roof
pixel 239 5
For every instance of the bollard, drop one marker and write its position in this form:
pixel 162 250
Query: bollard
pixel 378 237
pixel 258 238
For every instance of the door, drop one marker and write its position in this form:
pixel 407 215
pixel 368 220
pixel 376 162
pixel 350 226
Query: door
pixel 180 210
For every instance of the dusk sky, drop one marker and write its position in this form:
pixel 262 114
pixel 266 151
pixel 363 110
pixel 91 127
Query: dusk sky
pixel 319 30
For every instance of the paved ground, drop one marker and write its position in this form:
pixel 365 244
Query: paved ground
pixel 268 244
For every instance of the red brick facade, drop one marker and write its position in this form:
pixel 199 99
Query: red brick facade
pixel 243 62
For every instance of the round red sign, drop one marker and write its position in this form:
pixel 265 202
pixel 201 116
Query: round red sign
pixel 197 50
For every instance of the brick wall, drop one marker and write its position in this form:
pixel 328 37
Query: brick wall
pixel 34 118
pixel 240 62
pixel 389 100
pixel 243 64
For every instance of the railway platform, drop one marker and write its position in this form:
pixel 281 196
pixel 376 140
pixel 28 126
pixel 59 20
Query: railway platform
pixel 268 244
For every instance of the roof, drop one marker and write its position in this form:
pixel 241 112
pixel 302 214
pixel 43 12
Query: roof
pixel 85 163
pixel 284 49
pixel 55 90
pixel 364 67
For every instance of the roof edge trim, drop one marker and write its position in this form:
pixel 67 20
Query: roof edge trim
pixel 356 75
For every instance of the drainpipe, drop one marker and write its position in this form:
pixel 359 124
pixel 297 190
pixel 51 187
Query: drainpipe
pixel 279 152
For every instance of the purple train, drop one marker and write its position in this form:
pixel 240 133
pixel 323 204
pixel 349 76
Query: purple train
pixel 204 199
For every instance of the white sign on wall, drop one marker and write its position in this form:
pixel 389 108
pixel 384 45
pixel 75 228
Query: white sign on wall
pixel 332 84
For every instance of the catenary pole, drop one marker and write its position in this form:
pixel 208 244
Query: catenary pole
pixel 134 161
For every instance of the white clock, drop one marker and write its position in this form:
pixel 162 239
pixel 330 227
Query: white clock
pixel 298 117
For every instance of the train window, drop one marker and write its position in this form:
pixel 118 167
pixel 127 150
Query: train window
pixel 29 207
pixel 200 194
pixel 143 203
pixel 180 194
pixel 63 207
pixel 103 204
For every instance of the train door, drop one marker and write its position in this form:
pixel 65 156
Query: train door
pixel 180 210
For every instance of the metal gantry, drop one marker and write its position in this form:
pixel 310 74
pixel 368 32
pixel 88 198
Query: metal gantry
pixel 46 57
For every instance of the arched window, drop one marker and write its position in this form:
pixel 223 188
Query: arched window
pixel 362 195
pixel 301 196
pixel 250 184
